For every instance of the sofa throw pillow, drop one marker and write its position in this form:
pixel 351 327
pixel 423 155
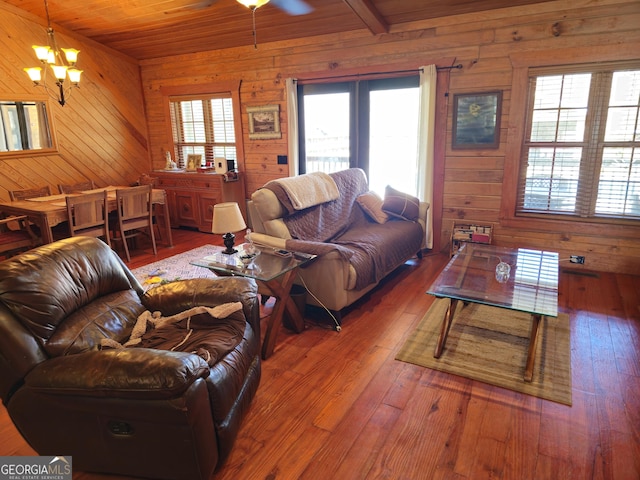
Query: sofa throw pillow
pixel 371 203
pixel 400 204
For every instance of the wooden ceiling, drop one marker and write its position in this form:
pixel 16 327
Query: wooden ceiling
pixel 145 29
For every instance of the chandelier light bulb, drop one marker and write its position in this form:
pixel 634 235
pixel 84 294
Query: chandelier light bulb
pixel 74 75
pixel 42 52
pixel 60 72
pixel 35 74
pixel 71 54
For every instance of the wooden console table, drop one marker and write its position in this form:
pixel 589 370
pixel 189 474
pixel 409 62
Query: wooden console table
pixel 191 196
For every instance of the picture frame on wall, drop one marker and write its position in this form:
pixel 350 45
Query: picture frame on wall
pixel 476 120
pixel 264 122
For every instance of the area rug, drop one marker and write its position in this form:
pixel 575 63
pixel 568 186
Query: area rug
pixel 490 345
pixel 175 268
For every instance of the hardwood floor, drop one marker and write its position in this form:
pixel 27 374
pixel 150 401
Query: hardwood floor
pixel 339 406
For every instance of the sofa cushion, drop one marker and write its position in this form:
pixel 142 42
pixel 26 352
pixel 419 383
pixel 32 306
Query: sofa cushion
pixel 267 204
pixel 277 228
pixel 401 205
pixel 371 203
pixel 209 332
pixel 378 249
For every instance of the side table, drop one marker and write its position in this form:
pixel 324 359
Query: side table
pixel 275 275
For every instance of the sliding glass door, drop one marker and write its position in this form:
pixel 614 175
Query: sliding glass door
pixel 369 124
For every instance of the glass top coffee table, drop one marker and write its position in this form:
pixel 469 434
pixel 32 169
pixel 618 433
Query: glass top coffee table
pixel 516 279
pixel 275 275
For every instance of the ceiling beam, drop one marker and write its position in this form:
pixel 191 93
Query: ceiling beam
pixel 369 15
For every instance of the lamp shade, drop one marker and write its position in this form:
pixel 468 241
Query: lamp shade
pixel 227 218
pixel 71 54
pixel 60 71
pixel 74 75
pixel 42 52
pixel 35 73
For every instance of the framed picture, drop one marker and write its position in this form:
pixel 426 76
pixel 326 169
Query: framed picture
pixel 476 120
pixel 264 122
pixel 193 162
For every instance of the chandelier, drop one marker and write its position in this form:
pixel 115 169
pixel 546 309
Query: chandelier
pixel 62 62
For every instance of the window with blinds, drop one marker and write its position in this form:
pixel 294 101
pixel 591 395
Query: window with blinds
pixel 582 144
pixel 203 126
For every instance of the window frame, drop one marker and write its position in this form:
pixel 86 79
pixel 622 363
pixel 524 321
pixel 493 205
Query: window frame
pixel 48 123
pixel 592 145
pixel 206 91
pixel 522 64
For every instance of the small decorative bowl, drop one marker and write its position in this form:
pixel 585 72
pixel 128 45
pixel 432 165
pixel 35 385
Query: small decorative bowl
pixel 247 258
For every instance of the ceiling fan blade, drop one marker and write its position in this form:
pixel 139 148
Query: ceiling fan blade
pixel 293 7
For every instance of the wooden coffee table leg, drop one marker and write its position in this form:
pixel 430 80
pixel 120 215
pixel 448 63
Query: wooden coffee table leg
pixel 533 340
pixel 446 325
pixel 278 288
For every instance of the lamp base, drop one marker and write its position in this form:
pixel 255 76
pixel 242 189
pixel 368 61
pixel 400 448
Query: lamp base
pixel 229 240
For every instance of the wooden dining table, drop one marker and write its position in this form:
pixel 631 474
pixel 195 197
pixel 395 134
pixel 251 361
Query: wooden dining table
pixel 49 211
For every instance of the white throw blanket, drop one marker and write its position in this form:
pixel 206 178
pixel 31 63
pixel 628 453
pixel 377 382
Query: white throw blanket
pixel 308 190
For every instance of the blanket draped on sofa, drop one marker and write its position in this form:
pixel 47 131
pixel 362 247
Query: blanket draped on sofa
pixel 298 193
pixel 342 226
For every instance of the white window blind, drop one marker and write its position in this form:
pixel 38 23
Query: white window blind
pixel 582 147
pixel 203 126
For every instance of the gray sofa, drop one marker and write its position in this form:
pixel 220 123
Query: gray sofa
pixel 358 245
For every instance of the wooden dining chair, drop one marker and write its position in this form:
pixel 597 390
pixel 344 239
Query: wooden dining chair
pixel 29 193
pixel 16 235
pixel 88 214
pixel 76 187
pixel 159 218
pixel 135 215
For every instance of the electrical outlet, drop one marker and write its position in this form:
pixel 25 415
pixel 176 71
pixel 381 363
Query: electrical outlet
pixel 576 259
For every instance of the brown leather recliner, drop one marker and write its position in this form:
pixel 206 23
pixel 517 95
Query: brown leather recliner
pixel 135 411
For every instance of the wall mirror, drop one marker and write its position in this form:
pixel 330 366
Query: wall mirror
pixel 25 127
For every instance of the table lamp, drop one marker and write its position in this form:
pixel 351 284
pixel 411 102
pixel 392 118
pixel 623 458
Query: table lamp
pixel 226 220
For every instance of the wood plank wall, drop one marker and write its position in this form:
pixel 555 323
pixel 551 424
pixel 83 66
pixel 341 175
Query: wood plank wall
pixel 109 106
pixel 482 43
pixel 101 132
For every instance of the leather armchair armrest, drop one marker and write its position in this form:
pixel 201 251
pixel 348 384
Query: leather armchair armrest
pixel 125 373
